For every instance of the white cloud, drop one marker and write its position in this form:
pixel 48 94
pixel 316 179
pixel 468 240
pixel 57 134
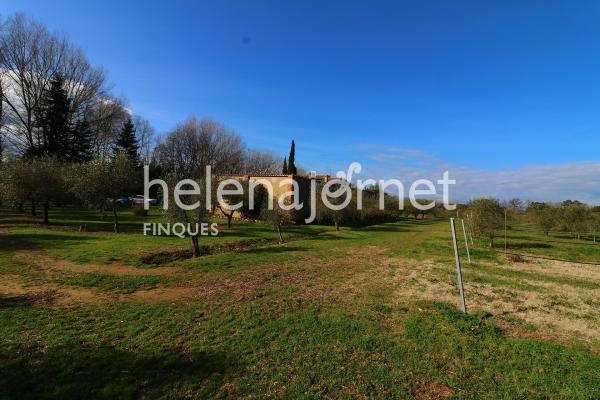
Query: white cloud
pixel 545 182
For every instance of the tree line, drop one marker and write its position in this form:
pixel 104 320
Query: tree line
pixel 488 217
pixel 65 138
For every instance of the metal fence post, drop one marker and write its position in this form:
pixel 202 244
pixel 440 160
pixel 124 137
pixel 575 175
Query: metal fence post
pixel 466 241
pixel 458 270
pixel 470 226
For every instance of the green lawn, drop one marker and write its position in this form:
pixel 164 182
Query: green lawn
pixel 526 239
pixel 361 313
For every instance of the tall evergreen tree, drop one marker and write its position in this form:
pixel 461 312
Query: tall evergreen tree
pixel 53 116
pixel 81 142
pixel 127 142
pixel 284 170
pixel 291 169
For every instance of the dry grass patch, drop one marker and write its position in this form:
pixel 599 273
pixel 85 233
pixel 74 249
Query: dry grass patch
pixel 557 308
pixel 433 391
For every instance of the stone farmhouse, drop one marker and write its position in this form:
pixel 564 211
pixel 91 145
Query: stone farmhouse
pixel 283 184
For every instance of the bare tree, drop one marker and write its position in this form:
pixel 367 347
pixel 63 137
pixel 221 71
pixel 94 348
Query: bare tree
pixel 106 118
pixel 194 144
pixel 2 144
pixel 85 84
pixel 1 103
pixel 146 138
pixel 261 163
pixel 30 57
pixel 515 204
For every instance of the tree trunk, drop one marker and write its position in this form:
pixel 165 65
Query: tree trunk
pixel 33 209
pixel 279 231
pixel 116 225
pixel 20 207
pixel 229 216
pixel 46 209
pixel 337 226
pixel 195 246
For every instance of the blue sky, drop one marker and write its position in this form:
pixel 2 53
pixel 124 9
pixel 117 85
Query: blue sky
pixel 504 93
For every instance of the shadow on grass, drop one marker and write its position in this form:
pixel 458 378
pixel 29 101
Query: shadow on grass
pixel 534 245
pixel 276 249
pixel 27 299
pixel 69 217
pixel 25 241
pixel 325 236
pixel 79 371
pixel 389 228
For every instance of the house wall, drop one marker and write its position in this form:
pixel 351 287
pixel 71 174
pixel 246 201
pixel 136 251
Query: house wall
pixel 281 184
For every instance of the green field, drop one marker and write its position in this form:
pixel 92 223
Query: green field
pixel 360 313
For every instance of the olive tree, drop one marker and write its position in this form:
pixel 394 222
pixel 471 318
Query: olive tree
pixel 544 216
pixel 188 208
pixel 594 224
pixel 276 216
pixel 575 215
pixel 100 182
pixel 332 212
pixel 487 217
pixel 48 179
pixel 38 181
pixel 231 200
pixel 16 183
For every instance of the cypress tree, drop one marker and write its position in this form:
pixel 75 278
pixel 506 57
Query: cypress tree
pixel 127 142
pixel 284 170
pixel 291 169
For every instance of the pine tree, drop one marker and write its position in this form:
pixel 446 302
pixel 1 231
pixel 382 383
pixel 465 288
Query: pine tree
pixel 53 121
pixel 291 169
pixel 127 142
pixel 284 170
pixel 81 142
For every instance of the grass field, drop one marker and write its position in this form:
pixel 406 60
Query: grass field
pixel 361 313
